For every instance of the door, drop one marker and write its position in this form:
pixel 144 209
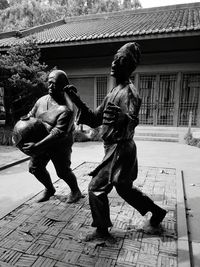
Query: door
pixel 165 100
pixel 189 99
pixel 157 93
pixel 147 89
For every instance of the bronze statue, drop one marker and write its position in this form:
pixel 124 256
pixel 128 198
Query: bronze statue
pixel 118 115
pixel 56 112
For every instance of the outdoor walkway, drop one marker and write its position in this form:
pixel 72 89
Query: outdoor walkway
pixel 50 234
pixel 17 186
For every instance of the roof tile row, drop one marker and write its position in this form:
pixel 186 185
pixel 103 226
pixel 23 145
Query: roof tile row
pixel 143 22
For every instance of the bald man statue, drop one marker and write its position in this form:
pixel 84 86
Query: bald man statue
pixel 56 111
pixel 118 115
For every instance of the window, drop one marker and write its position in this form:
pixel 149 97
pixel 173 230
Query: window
pixel 157 93
pixel 147 85
pixel 101 89
pixel 166 89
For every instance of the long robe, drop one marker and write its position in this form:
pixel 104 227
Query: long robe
pixel 119 164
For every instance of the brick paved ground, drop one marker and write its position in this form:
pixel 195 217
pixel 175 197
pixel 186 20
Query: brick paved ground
pixel 49 234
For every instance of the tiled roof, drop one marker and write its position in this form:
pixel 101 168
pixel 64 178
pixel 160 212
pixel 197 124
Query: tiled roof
pixel 138 24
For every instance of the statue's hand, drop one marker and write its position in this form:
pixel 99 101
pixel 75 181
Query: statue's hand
pixel 70 89
pixel 72 93
pixel 113 115
pixel 29 148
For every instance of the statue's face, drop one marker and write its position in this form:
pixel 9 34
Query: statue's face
pixel 56 82
pixel 121 67
pixel 52 85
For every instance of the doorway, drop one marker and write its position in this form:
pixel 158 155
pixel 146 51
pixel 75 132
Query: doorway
pixel 157 93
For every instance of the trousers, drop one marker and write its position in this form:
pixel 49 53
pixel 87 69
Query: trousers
pixel 99 203
pixel 60 155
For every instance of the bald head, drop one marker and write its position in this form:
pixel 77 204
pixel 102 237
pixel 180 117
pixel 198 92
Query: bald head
pixel 60 77
pixel 57 81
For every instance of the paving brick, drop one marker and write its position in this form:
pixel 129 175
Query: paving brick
pixel 49 234
pixel 127 257
pixel 63 264
pixel 166 261
pixel 87 261
pixel 71 257
pixel 105 262
pixel 26 260
pixel 147 259
pixel 10 256
pixel 44 262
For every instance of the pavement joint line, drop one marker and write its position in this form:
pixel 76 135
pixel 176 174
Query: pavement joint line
pixel 187 221
pixel 13 163
pixel 184 257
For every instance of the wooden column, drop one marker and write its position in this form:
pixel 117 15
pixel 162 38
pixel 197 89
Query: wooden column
pixel 176 99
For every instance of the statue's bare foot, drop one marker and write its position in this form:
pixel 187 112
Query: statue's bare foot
pixel 74 197
pixel 47 194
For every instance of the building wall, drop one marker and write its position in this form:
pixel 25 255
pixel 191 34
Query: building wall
pixel 171 61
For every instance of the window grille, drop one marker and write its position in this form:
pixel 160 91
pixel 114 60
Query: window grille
pixel 101 89
pixel 147 85
pixel 165 103
pixel 189 98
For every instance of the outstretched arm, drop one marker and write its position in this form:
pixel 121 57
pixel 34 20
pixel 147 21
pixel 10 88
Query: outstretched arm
pixel 85 114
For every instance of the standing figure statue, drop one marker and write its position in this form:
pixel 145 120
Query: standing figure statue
pixel 57 113
pixel 118 115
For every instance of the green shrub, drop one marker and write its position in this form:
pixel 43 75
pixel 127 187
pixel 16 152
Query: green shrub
pixel 23 79
pixel 95 134
pixel 6 136
pixel 188 137
pixel 198 144
pixel 190 140
pixel 80 136
pixel 87 135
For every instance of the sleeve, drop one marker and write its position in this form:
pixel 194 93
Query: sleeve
pixel 91 118
pixel 65 123
pixel 33 111
pixel 132 119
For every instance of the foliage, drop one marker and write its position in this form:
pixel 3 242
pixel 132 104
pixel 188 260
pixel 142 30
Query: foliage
pixel 4 4
pixel 28 13
pixel 5 136
pixel 87 135
pixel 23 78
pixel 190 140
pixel 95 134
pixel 80 136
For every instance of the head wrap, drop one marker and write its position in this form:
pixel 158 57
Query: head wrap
pixel 132 50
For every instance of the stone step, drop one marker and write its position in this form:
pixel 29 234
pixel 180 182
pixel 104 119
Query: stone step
pixel 158 134
pixel 156 138
pixel 165 134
